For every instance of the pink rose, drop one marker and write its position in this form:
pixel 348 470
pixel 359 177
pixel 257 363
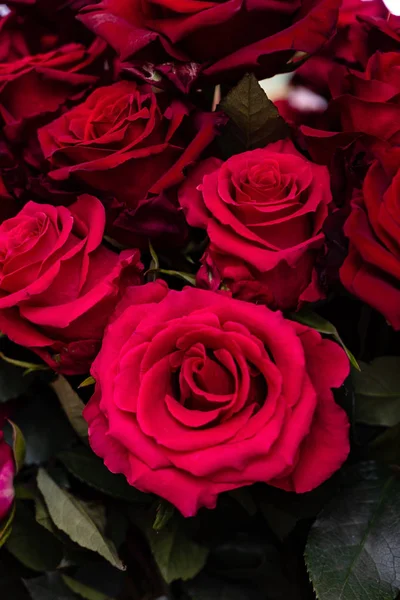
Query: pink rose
pixel 58 283
pixel 197 393
pixel 263 211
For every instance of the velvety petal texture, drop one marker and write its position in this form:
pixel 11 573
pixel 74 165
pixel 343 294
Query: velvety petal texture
pixel 58 283
pixel 35 87
pixel 223 38
pixel 7 472
pixel 371 270
pixel 263 211
pixel 197 393
pixel 132 144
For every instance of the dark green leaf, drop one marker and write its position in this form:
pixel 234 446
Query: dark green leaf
pixel 19 446
pixel 49 587
pixel 42 515
pixel 31 544
pixel 72 517
pixel 90 469
pixel 256 120
pixel 352 551
pixel 38 415
pixel 177 556
pixel 165 511
pixel 6 527
pixel 72 405
pixel 83 590
pixel 312 319
pixel 386 447
pixel 12 384
pixel 377 389
pixel 244 498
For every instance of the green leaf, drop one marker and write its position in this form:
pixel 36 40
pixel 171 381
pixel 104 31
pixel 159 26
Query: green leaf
pixel 312 319
pixel 245 499
pixel 31 544
pixel 12 385
pixel 256 119
pixel 29 367
pixel 6 527
pixel 386 447
pixel 71 516
pixel 72 405
pixel 377 389
pixel 177 556
pixel 86 382
pixel 19 446
pixel 39 414
pixel 48 587
pixel 191 279
pixel 165 511
pixel 83 590
pixel 90 469
pixel 352 551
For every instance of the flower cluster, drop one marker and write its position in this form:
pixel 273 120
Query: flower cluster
pixel 123 175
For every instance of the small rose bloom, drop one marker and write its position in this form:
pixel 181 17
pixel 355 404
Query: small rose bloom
pixel 263 211
pixel 132 144
pixel 197 393
pixel 58 283
pixel 7 472
pixel 371 270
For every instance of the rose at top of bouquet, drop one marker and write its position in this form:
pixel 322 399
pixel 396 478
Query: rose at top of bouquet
pixel 371 270
pixel 197 393
pixel 35 87
pixel 7 473
pixel 365 104
pixel 226 38
pixel 58 283
pixel 132 144
pixel 263 211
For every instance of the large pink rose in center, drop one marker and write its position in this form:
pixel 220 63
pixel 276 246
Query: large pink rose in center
pixel 197 393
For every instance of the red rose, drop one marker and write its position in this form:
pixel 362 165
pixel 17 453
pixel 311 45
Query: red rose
pixel 371 270
pixel 58 283
pixel 226 38
pixel 7 472
pixel 365 104
pixel 263 211
pixel 37 86
pixel 197 393
pixel 132 144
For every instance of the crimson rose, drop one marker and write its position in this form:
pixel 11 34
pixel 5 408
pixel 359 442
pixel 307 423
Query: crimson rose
pixel 263 211
pixel 226 38
pixel 132 144
pixel 197 393
pixel 58 283
pixel 371 270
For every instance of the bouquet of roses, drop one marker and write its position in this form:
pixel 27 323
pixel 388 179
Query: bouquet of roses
pixel 199 300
